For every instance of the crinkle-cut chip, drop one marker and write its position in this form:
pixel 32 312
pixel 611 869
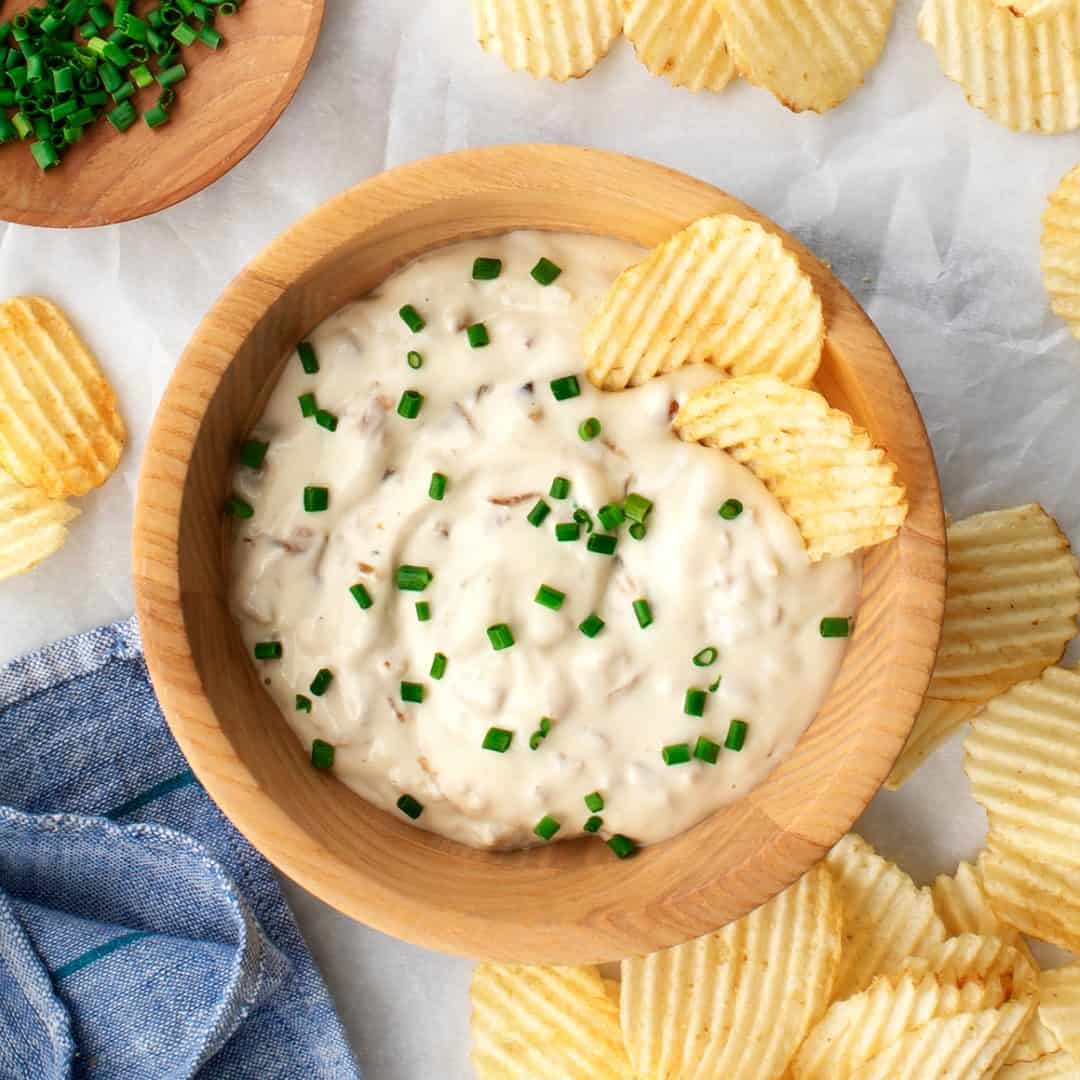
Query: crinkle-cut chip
pixel 682 40
pixel 736 1003
pixel 964 908
pixel 887 917
pixel 613 989
pixel 1059 1006
pixel 1022 756
pixel 724 291
pixel 1035 9
pixel 1060 249
pixel 839 488
pixel 1022 72
pixel 967 1046
pixel 32 526
pixel 59 427
pixel 1036 1041
pixel 544 1022
pixel 550 39
pixel 935 722
pixel 1011 603
pixel 1003 969
pixel 1029 892
pixel 810 54
pixel 1059 1065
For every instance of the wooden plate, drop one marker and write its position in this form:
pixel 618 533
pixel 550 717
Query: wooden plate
pixel 566 902
pixel 231 98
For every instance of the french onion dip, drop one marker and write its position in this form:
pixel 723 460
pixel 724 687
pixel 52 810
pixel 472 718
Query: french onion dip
pixel 501 602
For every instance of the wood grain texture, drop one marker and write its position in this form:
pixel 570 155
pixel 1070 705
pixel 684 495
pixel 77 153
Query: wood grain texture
pixel 231 98
pixel 566 902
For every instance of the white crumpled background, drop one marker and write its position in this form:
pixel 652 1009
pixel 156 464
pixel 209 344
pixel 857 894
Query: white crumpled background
pixel 924 207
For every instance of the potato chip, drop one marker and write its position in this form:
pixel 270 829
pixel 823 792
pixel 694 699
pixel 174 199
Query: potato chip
pixel 1036 1041
pixel 887 917
pixel 59 428
pixel 1022 72
pixel 1059 1006
pixel 810 54
pixel 964 908
pixel 682 40
pixel 935 722
pixel 839 488
pixel 1035 9
pixel 724 291
pixel 531 1022
pixel 1061 250
pixel 550 39
pixel 32 526
pixel 613 989
pixel 736 1003
pixel 1059 1065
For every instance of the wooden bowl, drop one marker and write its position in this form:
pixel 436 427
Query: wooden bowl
pixel 567 902
pixel 231 98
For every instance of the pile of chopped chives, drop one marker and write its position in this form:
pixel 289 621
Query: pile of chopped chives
pixel 66 63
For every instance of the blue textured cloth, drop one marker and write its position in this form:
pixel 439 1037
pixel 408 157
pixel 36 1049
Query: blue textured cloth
pixel 141 937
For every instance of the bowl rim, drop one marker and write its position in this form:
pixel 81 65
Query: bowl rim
pixel 920 557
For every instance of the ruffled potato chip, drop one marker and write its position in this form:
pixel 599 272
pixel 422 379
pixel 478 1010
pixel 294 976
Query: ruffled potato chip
pixel 1059 1065
pixel 1060 250
pixel 1059 1006
pixel 32 526
pixel 680 40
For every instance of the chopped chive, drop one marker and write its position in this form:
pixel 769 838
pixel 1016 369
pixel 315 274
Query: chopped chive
pixel 637 531
pixel 486 269
pixel 156 116
pixel 593 824
pixel 414 360
pixel 589 429
pixel 478 336
pixel 835 627
pixel 238 508
pixel 536 515
pixel 316 499
pixel 549 597
pixel 715 684
pixel 560 488
pixel 622 846
pixel 547 827
pixel 411 403
pixel 123 116
pixel 321 683
pixel 541 733
pixel 565 388
pixel 545 271
pixel 413 578
pixel 736 736
pixel 326 420
pixel 437 487
pixel 413 692
pixel 637 507
pixel 676 754
pixel 183 33
pixel 595 802
pixel 497 739
pixel 362 597
pixel 410 807
pixel 567 530
pixel 303 703
pixel 412 318
pixel 500 636
pixel 307 405
pixel 253 453
pixel 592 625
pixel 643 613
pixel 438 665
pixel 171 76
pixel 611 516
pixel 535 739
pixel 210 37
pixel 423 611
pixel 694 702
pixel 707 657
pixel 730 510
pixel 308 360
pixel 322 755
pixel 602 543
pixel 268 650
pixel 706 750
pixel 584 519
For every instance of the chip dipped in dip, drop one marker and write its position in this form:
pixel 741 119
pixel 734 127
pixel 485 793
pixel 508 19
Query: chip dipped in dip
pixel 505 604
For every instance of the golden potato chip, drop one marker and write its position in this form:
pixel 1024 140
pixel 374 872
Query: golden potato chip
pixel 839 488
pixel 964 908
pixel 1036 1041
pixel 810 54
pixel 1060 249
pixel 682 40
pixel 1059 1065
pixel 1059 1006
pixel 532 1022
pixel 550 39
pixel 1035 9
pixel 724 291
pixel 613 989
pixel 59 428
pixel 32 526
pixel 935 722
pixel 736 1003
pixel 1022 72
pixel 887 917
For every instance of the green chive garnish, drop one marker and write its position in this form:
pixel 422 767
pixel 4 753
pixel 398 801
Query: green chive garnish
pixel 715 684
pixel 413 692
pixel 592 625
pixel 423 611
pixel 268 650
pixel 643 613
pixel 595 802
pixel 413 578
pixel 326 420
pixel 611 516
pixel 316 499
pixel 238 508
pixel 412 318
pixel 623 846
pixel 545 272
pixel 637 507
pixel 833 628
pixel 602 543
pixel 500 636
pixel 567 530
pixel 549 597
pixel 437 487
pixel 584 519
pixel 322 755
pixel 593 824
pixel 308 360
pixel 486 269
pixel 537 514
pixel 498 739
pixel 308 407
pixel 321 683
pixel 731 510
pixel 410 807
pixel 676 754
pixel 253 453
pixel 565 388
pixel 707 657
pixel 412 401
pixel 637 531
pixel 694 702
pixel 589 429
pixel 706 750
pixel 560 488
pixel 438 666
pixel 303 703
pixel 360 594
pixel 736 735
pixel 414 360
pixel 478 335
pixel 547 827
pixel 541 733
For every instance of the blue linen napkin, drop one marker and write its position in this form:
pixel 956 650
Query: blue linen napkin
pixel 141 937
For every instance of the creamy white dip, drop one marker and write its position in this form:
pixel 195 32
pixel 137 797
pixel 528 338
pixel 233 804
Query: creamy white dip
pixel 490 423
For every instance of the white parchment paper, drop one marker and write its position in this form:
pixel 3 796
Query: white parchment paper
pixel 927 209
